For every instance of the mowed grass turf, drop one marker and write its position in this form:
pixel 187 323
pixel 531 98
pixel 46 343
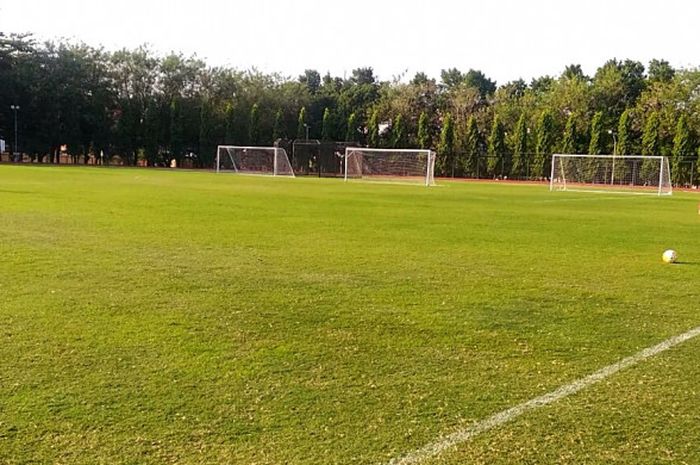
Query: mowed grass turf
pixel 152 317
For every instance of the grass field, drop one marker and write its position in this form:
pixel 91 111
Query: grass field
pixel 151 317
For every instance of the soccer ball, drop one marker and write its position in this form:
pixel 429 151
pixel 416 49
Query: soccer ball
pixel 669 256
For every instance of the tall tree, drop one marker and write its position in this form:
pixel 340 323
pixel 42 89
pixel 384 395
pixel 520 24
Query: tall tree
pixel 518 164
pixel 278 126
pixel 574 71
pixel 650 136
pixel 592 165
pixel 623 146
pixel 301 124
pixel 497 148
pixel 373 129
pixel 311 79
pixel 617 85
pixel 471 148
pixel 420 79
pixel 351 132
pixel 650 146
pixel 229 124
pixel 177 142
pixel 661 71
pixel 254 125
pixel 398 132
pixel 681 149
pixel 451 77
pixel 327 125
pixel 568 140
pixel 446 147
pixel 207 145
pixel 423 134
pixel 595 146
pixel 152 136
pixel 363 76
pixel 543 145
pixel 478 80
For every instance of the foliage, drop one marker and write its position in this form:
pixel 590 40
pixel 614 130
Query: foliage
pixel 373 130
pixel 519 159
pixel 327 125
pixel 623 135
pixel 301 124
pixel 133 103
pixel 398 132
pixel 254 125
pixel 445 164
pixel 661 71
pixel 544 142
pixel 595 146
pixel 423 135
pixel 681 149
pixel 177 143
pixel 351 132
pixel 650 143
pixel 496 149
pixel 472 144
pixel 650 137
pixel 278 131
pixel 568 140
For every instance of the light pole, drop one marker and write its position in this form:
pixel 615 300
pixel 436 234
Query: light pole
pixel 612 175
pixel 612 133
pixel 15 155
pixel 306 126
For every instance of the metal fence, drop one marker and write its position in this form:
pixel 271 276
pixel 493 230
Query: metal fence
pixel 482 166
pixel 313 157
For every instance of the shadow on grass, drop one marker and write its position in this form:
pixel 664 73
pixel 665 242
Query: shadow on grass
pixel 685 263
pixel 9 191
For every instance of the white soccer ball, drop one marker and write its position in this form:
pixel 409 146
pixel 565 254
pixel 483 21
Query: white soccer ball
pixel 670 256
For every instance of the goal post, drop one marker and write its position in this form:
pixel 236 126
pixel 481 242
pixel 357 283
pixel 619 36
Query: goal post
pixel 392 165
pixel 253 160
pixel 625 174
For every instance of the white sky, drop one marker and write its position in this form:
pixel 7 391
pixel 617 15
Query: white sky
pixel 506 39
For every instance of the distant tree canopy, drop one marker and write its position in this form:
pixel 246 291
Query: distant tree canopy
pixel 142 106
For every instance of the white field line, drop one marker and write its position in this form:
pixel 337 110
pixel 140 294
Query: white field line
pixel 578 199
pixel 447 442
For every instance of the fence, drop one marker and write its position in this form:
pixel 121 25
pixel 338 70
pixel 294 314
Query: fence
pixel 313 157
pixel 482 166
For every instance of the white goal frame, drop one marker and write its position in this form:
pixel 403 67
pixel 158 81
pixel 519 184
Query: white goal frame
pixel 426 174
pixel 615 174
pixel 281 165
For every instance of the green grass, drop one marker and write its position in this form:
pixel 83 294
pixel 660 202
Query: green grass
pixel 152 317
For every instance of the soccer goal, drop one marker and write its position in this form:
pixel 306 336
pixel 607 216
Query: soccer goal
pixel 253 160
pixel 392 165
pixel 629 174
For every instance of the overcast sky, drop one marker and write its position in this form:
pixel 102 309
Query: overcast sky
pixel 506 39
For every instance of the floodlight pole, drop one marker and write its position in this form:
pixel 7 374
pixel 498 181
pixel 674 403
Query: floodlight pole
pixel 612 175
pixel 15 109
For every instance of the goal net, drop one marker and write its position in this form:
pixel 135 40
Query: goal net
pixel 253 160
pixel 390 165
pixel 632 174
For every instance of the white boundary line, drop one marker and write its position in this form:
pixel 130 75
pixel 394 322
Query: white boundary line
pixel 447 442
pixel 581 199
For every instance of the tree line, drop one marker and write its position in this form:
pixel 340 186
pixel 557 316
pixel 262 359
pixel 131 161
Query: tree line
pixel 142 106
